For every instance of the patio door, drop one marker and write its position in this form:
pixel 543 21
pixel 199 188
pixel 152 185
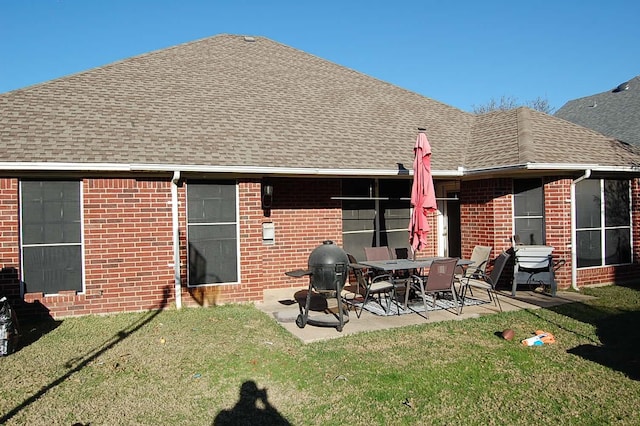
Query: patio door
pixel 375 213
pixel 452 225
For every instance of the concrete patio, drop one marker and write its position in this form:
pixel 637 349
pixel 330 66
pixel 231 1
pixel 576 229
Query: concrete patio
pixel 283 305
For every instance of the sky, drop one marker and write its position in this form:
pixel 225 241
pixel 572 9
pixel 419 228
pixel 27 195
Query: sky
pixel 461 53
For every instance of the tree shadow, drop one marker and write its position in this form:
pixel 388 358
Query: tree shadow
pixel 253 408
pixel 78 363
pixel 619 339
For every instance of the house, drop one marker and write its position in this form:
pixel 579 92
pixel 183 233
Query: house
pixel 615 113
pixel 199 174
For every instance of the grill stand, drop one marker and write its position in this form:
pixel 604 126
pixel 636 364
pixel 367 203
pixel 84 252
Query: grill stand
pixel 330 320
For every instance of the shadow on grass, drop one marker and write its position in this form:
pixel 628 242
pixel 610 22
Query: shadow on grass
pixel 618 347
pixel 37 323
pixel 253 407
pixel 78 363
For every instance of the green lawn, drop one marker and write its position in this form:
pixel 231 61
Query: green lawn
pixel 189 367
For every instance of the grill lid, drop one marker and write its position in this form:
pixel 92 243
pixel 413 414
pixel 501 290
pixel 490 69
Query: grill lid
pixel 328 264
pixel 327 254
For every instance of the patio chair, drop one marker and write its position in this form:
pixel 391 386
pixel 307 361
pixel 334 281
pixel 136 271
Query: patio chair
pixel 439 281
pixel 486 282
pixel 401 252
pixel 480 257
pixel 377 253
pixel 374 288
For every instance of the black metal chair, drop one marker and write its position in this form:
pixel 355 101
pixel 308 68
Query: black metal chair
pixel 374 287
pixel 486 282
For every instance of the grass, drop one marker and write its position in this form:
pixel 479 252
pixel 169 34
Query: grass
pixel 235 365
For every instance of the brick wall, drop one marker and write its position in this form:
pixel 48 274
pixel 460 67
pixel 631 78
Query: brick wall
pixel 9 240
pixel 128 239
pixel 486 215
pixel 303 215
pixel 635 215
pixel 557 208
pixel 127 247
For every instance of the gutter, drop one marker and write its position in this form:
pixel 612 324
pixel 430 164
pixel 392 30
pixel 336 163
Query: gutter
pixel 574 254
pixel 176 238
pixel 256 170
pixel 303 171
pixel 549 167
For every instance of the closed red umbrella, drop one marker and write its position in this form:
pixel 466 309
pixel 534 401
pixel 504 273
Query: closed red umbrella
pixel 423 197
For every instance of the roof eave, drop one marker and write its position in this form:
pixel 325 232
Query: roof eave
pixel 550 168
pixel 187 168
pixel 461 172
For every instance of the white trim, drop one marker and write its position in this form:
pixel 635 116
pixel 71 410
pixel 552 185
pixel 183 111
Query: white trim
pixel 237 233
pixel 308 171
pixel 170 168
pixel 552 167
pixel 175 225
pixel 81 244
pixel 46 166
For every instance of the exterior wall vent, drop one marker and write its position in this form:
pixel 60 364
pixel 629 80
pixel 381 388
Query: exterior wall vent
pixel 621 87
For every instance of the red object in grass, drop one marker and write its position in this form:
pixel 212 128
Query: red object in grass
pixel 508 334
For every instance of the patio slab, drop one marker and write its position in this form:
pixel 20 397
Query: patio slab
pixel 282 305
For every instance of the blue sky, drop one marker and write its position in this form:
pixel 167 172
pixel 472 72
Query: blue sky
pixel 462 53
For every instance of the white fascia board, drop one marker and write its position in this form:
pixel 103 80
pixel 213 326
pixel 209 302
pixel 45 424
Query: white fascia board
pixel 582 167
pixel 552 167
pixel 261 170
pixel 287 170
pixel 51 166
pixel 170 168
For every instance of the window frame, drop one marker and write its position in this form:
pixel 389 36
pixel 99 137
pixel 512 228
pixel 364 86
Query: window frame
pixel 24 269
pixel 603 228
pixel 382 207
pixel 236 233
pixel 541 217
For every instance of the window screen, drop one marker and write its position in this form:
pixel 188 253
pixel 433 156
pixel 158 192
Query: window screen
pixel 603 222
pixel 51 236
pixel 375 216
pixel 212 232
pixel 528 207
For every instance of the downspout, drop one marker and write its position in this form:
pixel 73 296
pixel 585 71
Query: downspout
pixel 574 254
pixel 176 238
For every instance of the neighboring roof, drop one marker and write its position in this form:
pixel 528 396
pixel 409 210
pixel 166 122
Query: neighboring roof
pixel 249 104
pixel 615 113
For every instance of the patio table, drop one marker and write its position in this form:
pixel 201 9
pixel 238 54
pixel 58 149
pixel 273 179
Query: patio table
pixel 406 265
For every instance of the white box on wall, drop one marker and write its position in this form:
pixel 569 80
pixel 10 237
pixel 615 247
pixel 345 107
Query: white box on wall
pixel 268 233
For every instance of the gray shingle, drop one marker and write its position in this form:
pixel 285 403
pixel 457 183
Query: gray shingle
pixel 227 102
pixel 523 135
pixel 615 113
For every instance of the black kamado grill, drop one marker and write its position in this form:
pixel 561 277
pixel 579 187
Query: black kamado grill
pixel 328 270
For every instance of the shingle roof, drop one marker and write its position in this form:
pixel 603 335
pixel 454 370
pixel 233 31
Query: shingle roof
pixel 523 135
pixel 226 101
pixel 230 102
pixel 615 113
